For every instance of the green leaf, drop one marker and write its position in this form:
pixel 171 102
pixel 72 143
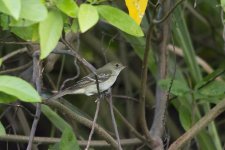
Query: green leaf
pixel 55 119
pixel 21 23
pixel 75 26
pixel 2 129
pixel 5 98
pixel 205 141
pixel 178 87
pixel 120 19
pixel 69 7
pixel 50 31
pixel 183 38
pixel 19 88
pixel 11 7
pixel 202 99
pixel 4 21
pixel 210 78
pixel 214 88
pixel 205 85
pixel 33 10
pixel 68 140
pixel 87 17
pixel 26 33
pixel 223 4
pixel 185 115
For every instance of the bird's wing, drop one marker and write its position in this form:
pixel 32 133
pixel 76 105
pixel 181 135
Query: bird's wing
pixel 85 81
pixel 91 79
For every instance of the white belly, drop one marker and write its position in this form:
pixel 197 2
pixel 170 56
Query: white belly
pixel 102 86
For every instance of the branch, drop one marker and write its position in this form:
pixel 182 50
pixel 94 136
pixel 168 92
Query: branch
pixel 129 126
pixel 51 140
pixel 114 120
pixel 86 122
pixel 126 98
pixel 37 81
pixel 18 43
pixel 199 60
pixel 158 125
pixel 74 53
pixel 168 14
pixel 17 68
pixel 202 123
pixel 22 50
pixel 93 124
pixel 144 70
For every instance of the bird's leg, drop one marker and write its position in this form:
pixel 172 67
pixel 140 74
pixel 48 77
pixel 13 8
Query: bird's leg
pixel 106 93
pixel 102 95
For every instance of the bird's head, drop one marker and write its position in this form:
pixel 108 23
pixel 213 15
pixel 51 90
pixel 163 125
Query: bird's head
pixel 115 67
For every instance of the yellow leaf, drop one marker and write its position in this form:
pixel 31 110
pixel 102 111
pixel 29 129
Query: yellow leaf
pixel 136 9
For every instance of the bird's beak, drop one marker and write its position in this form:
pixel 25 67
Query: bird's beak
pixel 124 67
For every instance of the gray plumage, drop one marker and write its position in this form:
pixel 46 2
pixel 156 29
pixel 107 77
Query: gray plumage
pixel 87 85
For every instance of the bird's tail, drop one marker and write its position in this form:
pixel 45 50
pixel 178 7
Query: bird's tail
pixel 60 94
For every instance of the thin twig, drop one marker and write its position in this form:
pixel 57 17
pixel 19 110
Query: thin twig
pixel 201 124
pixel 52 140
pixel 93 124
pixel 198 15
pixel 51 82
pixel 60 72
pixel 16 69
pixel 73 78
pixel 37 81
pixel 18 106
pixel 75 60
pixel 18 43
pixel 14 53
pixel 129 126
pixel 74 53
pixel 169 13
pixel 174 71
pixel 114 120
pixel 126 97
pixel 199 60
pixel 5 111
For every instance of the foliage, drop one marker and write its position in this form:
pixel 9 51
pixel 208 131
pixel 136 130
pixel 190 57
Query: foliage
pixel 136 9
pixel 51 24
pixel 87 17
pixel 18 88
pixel 98 30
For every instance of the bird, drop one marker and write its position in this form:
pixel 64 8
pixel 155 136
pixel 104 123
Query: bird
pixel 107 76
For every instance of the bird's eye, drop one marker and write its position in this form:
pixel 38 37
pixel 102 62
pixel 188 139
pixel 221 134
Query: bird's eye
pixel 117 65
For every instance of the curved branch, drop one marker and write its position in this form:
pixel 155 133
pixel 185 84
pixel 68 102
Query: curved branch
pixel 22 50
pixel 199 60
pixel 168 14
pixel 202 123
pixel 16 69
